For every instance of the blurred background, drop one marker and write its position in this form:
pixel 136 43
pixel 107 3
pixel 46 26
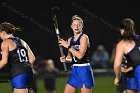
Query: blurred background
pixel 101 18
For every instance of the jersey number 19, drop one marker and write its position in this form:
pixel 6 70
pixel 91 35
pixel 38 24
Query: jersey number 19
pixel 22 55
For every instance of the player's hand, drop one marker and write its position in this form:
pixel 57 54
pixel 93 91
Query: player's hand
pixel 68 59
pixel 125 70
pixel 116 81
pixel 63 59
pixel 63 43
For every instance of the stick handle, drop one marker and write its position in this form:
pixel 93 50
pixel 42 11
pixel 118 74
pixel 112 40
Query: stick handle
pixel 58 37
pixel 62 54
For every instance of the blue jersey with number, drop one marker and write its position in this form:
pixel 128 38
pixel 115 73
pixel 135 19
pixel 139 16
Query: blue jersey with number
pixel 18 59
pixel 76 46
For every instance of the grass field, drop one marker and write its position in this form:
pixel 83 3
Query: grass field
pixel 104 84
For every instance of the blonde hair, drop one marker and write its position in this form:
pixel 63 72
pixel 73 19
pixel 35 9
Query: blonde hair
pixel 76 17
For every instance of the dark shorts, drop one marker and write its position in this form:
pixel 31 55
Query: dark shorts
pixel 50 84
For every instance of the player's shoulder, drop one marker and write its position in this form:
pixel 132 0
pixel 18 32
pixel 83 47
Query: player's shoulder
pixel 22 40
pixel 69 39
pixel 121 43
pixel 6 42
pixel 85 36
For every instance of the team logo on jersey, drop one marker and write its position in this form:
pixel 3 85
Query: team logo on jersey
pixel 76 47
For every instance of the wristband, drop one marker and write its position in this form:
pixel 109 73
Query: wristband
pixel 69 46
pixel 68 60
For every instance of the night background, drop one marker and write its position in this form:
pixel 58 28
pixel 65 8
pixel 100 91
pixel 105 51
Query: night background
pixel 99 23
pixel 101 18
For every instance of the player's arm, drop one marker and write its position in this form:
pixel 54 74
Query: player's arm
pixel 125 70
pixel 30 53
pixel 5 52
pixel 69 57
pixel 83 47
pixel 118 60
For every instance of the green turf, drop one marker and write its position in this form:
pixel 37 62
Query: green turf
pixel 104 84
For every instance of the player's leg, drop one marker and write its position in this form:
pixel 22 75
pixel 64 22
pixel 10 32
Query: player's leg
pixel 69 89
pixel 86 90
pixel 20 91
pixel 130 91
